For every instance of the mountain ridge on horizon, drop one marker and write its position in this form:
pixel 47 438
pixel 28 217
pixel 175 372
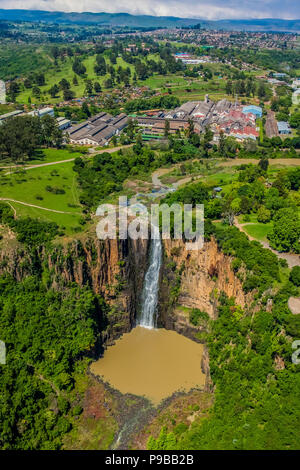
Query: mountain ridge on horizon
pixel 117 19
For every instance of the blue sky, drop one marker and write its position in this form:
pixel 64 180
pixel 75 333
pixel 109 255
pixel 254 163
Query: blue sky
pixel 210 9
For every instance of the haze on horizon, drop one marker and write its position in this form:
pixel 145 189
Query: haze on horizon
pixel 205 9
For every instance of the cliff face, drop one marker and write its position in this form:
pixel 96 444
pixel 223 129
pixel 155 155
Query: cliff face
pixel 112 268
pixel 115 269
pixel 201 276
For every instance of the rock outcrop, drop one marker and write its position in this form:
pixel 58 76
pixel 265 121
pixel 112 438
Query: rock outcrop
pixel 198 276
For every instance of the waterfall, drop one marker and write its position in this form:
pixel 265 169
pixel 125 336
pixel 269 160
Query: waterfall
pixel 151 283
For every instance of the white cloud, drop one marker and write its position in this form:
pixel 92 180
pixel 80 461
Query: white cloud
pixel 210 9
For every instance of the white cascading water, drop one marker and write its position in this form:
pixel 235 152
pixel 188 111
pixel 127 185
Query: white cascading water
pixel 151 284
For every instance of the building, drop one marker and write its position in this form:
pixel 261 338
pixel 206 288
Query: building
pixel 256 110
pixel 156 125
pixel 63 123
pixel 296 84
pixel 296 97
pixel 279 75
pixel 283 128
pixel 97 130
pixel 42 112
pixel 3 117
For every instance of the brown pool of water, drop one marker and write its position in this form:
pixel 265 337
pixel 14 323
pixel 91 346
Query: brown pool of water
pixel 152 363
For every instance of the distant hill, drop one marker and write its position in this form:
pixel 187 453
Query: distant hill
pixel 125 19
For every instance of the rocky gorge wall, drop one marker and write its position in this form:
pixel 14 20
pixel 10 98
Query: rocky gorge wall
pixel 114 269
pixel 194 279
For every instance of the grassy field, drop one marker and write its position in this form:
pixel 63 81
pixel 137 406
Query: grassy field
pixel 48 156
pixel 30 187
pixel 64 70
pixel 258 231
pixel 5 108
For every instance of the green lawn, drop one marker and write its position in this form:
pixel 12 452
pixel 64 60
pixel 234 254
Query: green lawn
pixel 258 231
pixel 54 155
pixel 6 108
pixel 252 218
pixel 30 187
pixel 220 179
pixel 48 156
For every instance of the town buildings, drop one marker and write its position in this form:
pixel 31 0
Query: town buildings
pixel 232 119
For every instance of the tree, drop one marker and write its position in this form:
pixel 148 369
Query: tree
pixel 55 52
pixel 64 84
pixel 97 87
pixel 89 87
pixel 52 135
pixel 191 128
pixel 207 139
pixel 286 231
pixel 109 83
pixel 54 91
pixel 167 127
pixel 27 83
pixel 19 137
pixel 138 146
pixel 100 66
pixel 264 163
pixel 295 120
pixel 36 92
pixel 78 67
pixel 222 144
pixel 68 95
pixel 261 92
pixel 295 276
pixel 85 109
pixel 228 87
pixel 263 215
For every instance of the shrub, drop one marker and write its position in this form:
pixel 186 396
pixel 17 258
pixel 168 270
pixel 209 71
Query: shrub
pixel 263 215
pixel 198 317
pixel 295 276
pixel 55 190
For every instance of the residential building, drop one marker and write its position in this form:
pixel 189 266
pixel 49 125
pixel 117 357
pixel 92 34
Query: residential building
pixel 3 117
pixel 42 112
pixel 283 128
pixel 256 110
pixel 63 123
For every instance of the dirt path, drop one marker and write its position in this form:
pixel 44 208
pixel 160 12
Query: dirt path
pixel 36 207
pixel 294 305
pixel 162 171
pixel 157 174
pixel 291 258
